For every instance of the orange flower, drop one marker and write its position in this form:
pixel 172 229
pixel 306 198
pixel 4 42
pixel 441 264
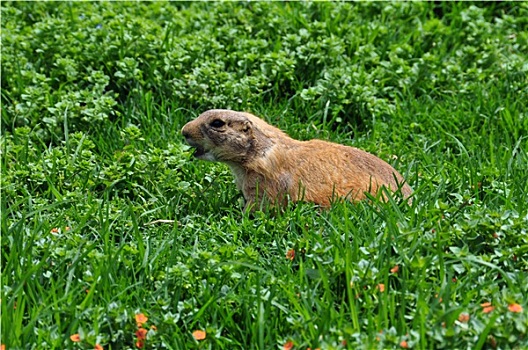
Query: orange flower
pixel 139 344
pixel 154 328
pixel 463 317
pixel 515 308
pixel 395 269
pixel 290 255
pixel 75 337
pixel 98 347
pixel 2 347
pixel 54 230
pixel 141 334
pixel 381 287
pixel 404 344
pixel 140 319
pixel 487 307
pixel 199 335
pixel 288 345
pixel 68 228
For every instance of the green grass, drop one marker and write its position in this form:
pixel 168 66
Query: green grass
pixel 93 99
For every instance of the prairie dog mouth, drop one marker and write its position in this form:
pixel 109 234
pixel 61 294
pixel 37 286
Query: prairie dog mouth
pixel 198 151
pixel 201 152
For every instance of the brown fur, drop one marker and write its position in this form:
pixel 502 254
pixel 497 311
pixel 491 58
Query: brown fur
pixel 270 165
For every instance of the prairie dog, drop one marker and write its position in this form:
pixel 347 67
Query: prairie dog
pixel 268 165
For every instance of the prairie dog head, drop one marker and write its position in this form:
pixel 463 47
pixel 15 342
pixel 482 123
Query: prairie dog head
pixel 225 136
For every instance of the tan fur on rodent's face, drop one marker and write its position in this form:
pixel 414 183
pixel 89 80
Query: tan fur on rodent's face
pixel 221 135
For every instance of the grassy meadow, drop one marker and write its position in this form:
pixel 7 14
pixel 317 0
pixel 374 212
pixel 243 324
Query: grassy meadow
pixel 94 95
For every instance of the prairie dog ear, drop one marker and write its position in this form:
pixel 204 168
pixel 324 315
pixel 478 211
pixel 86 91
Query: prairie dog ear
pixel 244 125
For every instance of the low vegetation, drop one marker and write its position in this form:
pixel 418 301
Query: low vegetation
pixel 93 168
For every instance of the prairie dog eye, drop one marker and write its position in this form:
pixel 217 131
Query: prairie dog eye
pixel 217 123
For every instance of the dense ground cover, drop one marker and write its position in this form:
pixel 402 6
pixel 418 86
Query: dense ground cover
pixel 94 96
